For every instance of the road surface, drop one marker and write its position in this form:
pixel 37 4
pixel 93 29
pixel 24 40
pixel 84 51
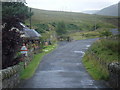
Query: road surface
pixel 115 31
pixel 63 68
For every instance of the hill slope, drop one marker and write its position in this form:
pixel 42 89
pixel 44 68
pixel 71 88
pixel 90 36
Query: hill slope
pixel 80 20
pixel 55 16
pixel 109 11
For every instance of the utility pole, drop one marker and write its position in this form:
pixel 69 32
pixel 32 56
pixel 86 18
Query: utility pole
pixel 95 21
pixel 30 19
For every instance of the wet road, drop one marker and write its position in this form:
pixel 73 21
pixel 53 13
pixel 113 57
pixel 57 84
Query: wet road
pixel 115 31
pixel 63 68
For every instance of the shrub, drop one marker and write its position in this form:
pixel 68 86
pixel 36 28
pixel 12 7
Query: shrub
pixel 105 33
pixel 61 28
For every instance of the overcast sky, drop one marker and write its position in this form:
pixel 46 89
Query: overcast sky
pixel 70 5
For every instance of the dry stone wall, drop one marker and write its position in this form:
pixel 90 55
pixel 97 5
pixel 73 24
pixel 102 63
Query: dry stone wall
pixel 10 76
pixel 114 72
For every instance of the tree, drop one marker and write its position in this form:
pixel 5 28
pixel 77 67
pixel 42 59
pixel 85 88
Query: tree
pixel 61 28
pixel 12 14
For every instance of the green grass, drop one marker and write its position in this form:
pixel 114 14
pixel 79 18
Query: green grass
pixel 90 34
pixel 105 48
pixel 31 68
pixel 94 68
pixel 84 35
pixel 99 55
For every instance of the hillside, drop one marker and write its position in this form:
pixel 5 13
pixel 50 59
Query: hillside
pixel 74 21
pixel 90 11
pixel 43 16
pixel 109 11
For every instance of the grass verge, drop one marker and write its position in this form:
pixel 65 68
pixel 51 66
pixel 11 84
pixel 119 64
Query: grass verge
pixel 99 55
pixel 94 68
pixel 31 68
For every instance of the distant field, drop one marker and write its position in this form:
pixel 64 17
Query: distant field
pixel 44 16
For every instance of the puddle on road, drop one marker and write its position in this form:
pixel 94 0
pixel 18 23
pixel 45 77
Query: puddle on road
pixel 88 45
pixel 63 63
pixel 87 82
pixel 84 49
pixel 80 52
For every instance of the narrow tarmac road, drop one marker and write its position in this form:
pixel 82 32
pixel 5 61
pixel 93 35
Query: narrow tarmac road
pixel 63 68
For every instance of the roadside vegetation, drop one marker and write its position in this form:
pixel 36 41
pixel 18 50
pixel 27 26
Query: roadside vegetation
pixel 100 54
pixel 31 68
pixel 90 34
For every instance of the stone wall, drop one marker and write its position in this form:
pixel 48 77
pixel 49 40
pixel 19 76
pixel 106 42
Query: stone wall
pixel 10 76
pixel 114 72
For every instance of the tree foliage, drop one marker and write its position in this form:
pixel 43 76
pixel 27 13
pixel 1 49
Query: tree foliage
pixel 16 10
pixel 12 14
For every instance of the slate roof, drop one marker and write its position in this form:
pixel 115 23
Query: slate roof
pixel 29 33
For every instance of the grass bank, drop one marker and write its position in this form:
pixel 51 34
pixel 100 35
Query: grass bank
pixel 31 68
pixel 94 68
pixel 101 32
pixel 99 55
pixel 84 35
